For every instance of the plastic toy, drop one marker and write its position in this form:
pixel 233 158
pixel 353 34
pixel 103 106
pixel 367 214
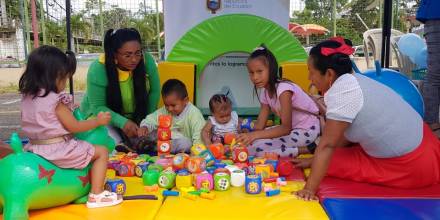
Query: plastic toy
pixel 400 84
pixel 196 164
pixel 231 168
pixel 163 134
pixel 187 189
pixel 209 158
pixel 190 196
pixel 229 137
pixel 126 169
pixel 209 195
pixel 110 174
pixel 115 185
pixel 222 181
pixel 137 161
pixel 163 147
pixel 285 167
pixel 241 166
pixel 259 160
pixel 183 180
pixel 165 162
pixel 113 164
pixel 222 170
pixel 217 150
pixel 281 182
pixel 170 193
pixel 150 177
pixel 273 163
pixel 141 168
pixel 167 179
pixel 253 184
pixel 157 167
pixel 228 162
pixel 204 180
pixel 240 154
pixel 219 165
pixel 165 121
pixel 271 156
pixel 238 178
pixel 264 170
pixel 247 125
pixel 179 161
pixel 270 180
pixel 197 149
pixel 273 192
pixel 31 182
pixel 211 169
pixel 152 188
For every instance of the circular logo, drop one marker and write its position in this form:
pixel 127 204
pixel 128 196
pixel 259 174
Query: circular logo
pixel 138 171
pixel 164 147
pixel 163 181
pixel 253 187
pixel 242 156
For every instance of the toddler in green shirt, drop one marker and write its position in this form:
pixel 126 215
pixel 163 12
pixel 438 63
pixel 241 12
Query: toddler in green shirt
pixel 187 121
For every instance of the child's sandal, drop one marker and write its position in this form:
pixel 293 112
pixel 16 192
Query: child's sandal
pixel 103 199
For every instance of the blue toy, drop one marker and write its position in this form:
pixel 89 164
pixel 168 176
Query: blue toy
pixel 170 193
pixel 247 125
pixel 273 192
pixel 253 184
pixel 141 168
pixel 399 83
pixel 116 185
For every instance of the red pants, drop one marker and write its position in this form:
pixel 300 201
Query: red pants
pixel 419 168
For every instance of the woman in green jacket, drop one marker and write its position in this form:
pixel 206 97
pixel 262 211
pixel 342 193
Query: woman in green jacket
pixel 124 81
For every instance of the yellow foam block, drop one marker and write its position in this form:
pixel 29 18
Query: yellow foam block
pixel 307 172
pixel 184 72
pixel 130 209
pixel 236 204
pixel 297 72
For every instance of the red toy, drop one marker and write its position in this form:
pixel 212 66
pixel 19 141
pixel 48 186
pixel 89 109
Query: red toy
pixel 163 134
pixel 163 147
pixel 285 167
pixel 126 169
pixel 240 154
pixel 217 150
pixel 165 121
pixel 229 137
pixel 196 164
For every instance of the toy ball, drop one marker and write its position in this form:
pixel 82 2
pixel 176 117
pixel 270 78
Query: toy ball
pixel 400 84
pixel 150 177
pixel 197 149
pixel 222 181
pixel 285 167
pixel 179 161
pixel 253 184
pixel 115 185
pixel 141 168
pixel 247 125
pixel 165 121
pixel 167 179
pixel 228 138
pixel 196 164
pixel 205 181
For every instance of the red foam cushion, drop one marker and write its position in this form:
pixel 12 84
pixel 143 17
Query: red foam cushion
pixel 332 187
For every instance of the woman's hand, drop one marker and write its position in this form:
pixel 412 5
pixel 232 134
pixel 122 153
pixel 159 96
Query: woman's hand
pixel 306 194
pixel 103 118
pixel 130 129
pixel 246 138
pixel 142 132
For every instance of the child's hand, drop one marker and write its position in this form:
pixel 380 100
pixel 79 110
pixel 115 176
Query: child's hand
pixel 306 194
pixel 142 131
pixel 246 138
pixel 103 118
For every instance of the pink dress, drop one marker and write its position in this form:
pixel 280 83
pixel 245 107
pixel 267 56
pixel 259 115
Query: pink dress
pixel 39 122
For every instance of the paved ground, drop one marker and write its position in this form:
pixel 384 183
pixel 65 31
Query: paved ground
pixel 10 113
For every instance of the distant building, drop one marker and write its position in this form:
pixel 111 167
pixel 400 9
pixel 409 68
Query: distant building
pixel 11 37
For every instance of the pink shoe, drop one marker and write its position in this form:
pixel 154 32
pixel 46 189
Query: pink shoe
pixel 103 199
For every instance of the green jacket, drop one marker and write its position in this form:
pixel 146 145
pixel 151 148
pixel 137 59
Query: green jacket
pixel 94 100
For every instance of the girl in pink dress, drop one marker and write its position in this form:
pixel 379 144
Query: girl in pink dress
pixel 47 120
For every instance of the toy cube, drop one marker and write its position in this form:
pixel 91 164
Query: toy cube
pixel 217 150
pixel 271 156
pixel 110 174
pixel 209 158
pixel 163 134
pixel 165 162
pixel 240 154
pixel 196 164
pixel 229 137
pixel 126 169
pixel 222 170
pixel 150 177
pixel 285 167
pixel 163 147
pixel 167 179
pixel 204 180
pixel 115 185
pixel 253 184
pixel 141 168
pixel 165 121
pixel 264 170
pixel 183 180
pixel 272 163
pixel 179 161
pixel 197 149
pixel 247 125
pixel 222 181
pixel 259 160
pixel 238 178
